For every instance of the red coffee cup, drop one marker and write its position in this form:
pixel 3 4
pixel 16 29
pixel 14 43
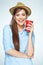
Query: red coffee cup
pixel 28 23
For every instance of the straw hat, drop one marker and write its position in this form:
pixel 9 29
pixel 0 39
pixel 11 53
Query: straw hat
pixel 21 5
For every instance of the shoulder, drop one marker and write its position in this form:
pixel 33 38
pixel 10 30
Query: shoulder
pixel 7 28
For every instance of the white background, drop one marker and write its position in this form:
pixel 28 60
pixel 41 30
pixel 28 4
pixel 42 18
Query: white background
pixel 37 14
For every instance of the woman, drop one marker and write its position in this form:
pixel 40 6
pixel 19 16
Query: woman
pixel 18 43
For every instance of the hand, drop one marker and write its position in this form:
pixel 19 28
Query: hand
pixel 30 27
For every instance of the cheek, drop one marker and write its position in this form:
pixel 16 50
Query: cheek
pixel 25 17
pixel 16 18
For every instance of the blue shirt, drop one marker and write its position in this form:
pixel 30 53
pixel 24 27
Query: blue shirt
pixel 8 44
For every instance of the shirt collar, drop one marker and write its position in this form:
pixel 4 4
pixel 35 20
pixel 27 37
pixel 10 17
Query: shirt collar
pixel 22 30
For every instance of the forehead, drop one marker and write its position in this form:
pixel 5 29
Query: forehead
pixel 20 11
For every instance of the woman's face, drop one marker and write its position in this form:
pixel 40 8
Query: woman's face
pixel 20 17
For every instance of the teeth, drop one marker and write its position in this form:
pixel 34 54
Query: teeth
pixel 20 20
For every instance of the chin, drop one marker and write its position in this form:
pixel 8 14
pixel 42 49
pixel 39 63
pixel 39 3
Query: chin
pixel 21 24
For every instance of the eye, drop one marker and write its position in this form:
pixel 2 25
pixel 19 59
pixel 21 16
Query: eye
pixel 17 14
pixel 23 14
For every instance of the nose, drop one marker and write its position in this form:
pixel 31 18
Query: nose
pixel 20 17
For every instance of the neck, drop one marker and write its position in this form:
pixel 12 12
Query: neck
pixel 20 27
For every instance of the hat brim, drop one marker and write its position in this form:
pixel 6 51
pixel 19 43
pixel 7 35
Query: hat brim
pixel 24 7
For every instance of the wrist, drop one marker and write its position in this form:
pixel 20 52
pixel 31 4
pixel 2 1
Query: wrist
pixel 30 34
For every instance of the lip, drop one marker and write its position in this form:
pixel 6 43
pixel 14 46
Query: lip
pixel 20 20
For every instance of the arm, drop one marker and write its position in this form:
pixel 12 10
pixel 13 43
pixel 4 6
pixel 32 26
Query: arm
pixel 15 53
pixel 30 48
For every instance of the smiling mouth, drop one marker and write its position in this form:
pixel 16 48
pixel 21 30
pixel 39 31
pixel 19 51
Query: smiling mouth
pixel 20 20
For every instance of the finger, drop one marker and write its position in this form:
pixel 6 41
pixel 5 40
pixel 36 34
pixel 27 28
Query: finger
pixel 29 24
pixel 28 28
